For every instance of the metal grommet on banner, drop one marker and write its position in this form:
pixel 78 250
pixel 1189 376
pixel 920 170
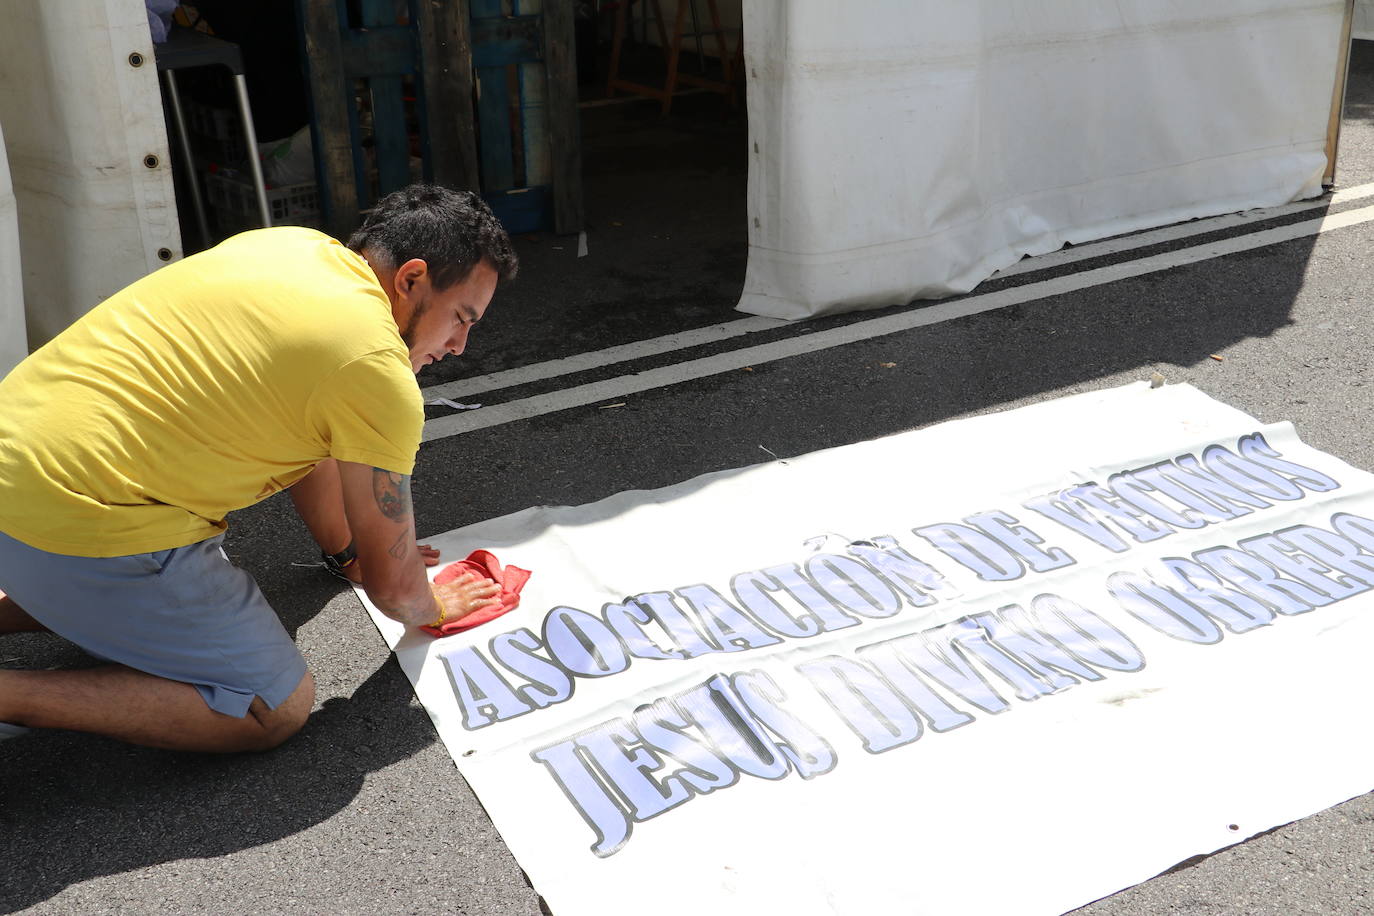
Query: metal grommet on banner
pixel 151 161
pixel 136 59
pixel 164 254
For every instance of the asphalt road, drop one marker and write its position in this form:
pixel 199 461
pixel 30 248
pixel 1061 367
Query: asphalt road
pixel 364 811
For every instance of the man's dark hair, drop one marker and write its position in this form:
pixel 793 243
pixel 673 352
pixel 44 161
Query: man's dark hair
pixel 451 231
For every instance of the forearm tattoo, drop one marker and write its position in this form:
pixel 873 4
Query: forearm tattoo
pixel 401 549
pixel 392 492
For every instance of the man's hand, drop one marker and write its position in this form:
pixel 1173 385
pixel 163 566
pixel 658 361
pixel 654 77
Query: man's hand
pixel 466 594
pixel 391 565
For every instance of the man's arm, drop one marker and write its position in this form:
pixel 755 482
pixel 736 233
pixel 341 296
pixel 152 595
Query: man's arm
pixel 378 510
pixel 318 498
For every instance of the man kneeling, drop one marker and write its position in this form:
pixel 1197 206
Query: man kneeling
pixel 277 359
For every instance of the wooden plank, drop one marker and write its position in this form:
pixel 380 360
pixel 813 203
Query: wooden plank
pixel 388 51
pixel 674 55
pixel 446 70
pixel 496 42
pixel 617 42
pixel 329 102
pixel 705 82
pixel 719 33
pixel 521 210
pixel 1333 127
pixel 390 140
pixel 489 9
pixel 534 122
pixel 564 128
pixel 532 142
pixel 496 153
pixel 653 92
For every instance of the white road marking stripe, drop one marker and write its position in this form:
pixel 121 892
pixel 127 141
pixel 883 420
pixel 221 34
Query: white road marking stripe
pixel 620 387
pixel 639 349
pixel 481 384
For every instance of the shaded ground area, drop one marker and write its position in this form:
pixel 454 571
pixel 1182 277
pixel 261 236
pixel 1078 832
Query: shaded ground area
pixel 665 235
pixel 364 812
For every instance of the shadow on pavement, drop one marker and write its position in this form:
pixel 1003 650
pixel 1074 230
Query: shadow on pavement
pixel 1172 321
pixel 74 807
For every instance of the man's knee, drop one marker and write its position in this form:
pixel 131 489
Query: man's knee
pixel 276 725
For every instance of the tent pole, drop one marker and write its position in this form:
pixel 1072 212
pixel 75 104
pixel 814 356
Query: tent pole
pixel 1333 129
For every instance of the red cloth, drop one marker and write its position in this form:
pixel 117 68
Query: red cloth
pixel 484 565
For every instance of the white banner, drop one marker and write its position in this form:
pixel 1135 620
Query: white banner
pixel 14 341
pixel 1006 664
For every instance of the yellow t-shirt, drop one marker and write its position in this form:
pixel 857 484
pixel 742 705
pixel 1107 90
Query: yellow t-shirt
pixel 200 389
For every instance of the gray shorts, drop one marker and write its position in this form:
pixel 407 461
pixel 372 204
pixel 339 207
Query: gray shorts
pixel 186 614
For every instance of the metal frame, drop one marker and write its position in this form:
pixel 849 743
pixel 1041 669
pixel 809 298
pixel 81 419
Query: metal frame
pixel 1333 128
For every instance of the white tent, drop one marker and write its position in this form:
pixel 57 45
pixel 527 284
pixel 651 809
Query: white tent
pixel 1364 19
pixel 899 148
pixel 13 339
pixel 904 149
pixel 88 157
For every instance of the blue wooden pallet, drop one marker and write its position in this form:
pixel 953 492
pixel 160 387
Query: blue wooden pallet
pixel 512 114
pixel 530 158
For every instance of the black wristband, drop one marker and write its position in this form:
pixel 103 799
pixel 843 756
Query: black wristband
pixel 338 562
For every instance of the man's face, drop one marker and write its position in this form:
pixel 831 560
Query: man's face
pixel 436 323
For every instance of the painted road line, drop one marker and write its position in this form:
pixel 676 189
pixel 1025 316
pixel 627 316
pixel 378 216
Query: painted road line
pixel 622 386
pixel 581 362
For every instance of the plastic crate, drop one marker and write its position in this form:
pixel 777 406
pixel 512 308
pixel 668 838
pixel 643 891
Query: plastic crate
pixel 216 133
pixel 235 203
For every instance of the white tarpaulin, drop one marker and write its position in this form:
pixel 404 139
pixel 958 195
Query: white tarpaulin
pixel 1364 19
pixel 13 339
pixel 903 149
pixel 1008 664
pixel 82 113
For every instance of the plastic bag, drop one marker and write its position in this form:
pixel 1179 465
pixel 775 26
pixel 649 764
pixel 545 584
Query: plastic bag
pixel 160 17
pixel 289 161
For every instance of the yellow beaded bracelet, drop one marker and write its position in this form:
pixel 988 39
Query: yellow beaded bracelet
pixel 443 612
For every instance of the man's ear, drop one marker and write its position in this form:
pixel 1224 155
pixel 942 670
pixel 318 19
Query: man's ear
pixel 408 275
